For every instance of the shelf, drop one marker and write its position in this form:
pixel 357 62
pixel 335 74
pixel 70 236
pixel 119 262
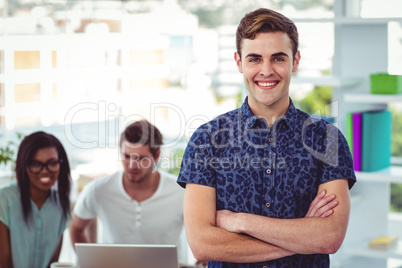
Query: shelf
pixel 362 250
pixel 366 97
pixel 391 174
pixel 327 80
pixel 348 21
pixel 357 262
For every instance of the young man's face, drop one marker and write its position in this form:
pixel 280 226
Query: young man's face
pixel 267 64
pixel 138 162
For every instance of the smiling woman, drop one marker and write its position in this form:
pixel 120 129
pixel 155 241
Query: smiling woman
pixel 33 214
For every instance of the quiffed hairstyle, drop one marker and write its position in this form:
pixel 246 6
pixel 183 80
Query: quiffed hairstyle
pixel 26 151
pixel 266 21
pixel 144 133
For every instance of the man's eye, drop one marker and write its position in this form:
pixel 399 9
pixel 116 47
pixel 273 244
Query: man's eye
pixel 254 59
pixel 279 59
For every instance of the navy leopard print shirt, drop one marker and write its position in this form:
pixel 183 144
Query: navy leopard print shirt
pixel 271 171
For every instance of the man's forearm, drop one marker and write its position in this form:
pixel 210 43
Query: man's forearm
pixel 213 243
pixel 209 242
pixel 303 236
pixel 307 235
pixel 78 236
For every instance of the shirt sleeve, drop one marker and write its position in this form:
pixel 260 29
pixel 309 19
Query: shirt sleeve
pixel 85 205
pixel 337 162
pixel 196 164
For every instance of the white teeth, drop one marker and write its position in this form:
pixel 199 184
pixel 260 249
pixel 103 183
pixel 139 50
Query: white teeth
pixel 266 84
pixel 45 179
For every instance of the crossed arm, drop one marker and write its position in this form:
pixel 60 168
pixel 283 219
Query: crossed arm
pixel 240 237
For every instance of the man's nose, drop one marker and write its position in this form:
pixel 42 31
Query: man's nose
pixel 266 69
pixel 133 163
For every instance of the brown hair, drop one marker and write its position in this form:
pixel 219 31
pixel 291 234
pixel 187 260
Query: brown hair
pixel 264 20
pixel 144 133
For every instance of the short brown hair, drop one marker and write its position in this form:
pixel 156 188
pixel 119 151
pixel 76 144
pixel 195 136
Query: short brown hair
pixel 264 20
pixel 144 133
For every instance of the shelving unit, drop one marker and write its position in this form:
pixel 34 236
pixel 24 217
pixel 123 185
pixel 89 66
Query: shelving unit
pixel 358 54
pixel 360 249
pixel 364 97
pixel 328 80
pixel 391 174
pixel 370 207
pixel 361 48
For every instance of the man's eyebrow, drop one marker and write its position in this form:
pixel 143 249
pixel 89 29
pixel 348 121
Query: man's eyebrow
pixel 253 55
pixel 280 54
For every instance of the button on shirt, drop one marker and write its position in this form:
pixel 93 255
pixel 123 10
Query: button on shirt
pixel 271 171
pixel 32 245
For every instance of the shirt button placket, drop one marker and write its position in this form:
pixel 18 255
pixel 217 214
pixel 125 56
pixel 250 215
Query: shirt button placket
pixel 268 204
pixel 138 216
pixel 269 173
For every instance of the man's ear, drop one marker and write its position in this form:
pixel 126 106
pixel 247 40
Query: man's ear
pixel 238 61
pixel 158 153
pixel 296 61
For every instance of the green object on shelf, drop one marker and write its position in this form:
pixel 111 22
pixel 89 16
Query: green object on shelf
pixel 382 83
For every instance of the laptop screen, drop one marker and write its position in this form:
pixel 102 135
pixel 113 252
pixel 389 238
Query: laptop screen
pixel 92 255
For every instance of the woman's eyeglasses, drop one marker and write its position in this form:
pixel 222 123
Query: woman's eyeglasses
pixel 51 166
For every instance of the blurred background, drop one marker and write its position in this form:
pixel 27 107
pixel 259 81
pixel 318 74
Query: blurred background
pixel 83 70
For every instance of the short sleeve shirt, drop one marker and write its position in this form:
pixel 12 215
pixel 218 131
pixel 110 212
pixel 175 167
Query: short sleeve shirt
pixel 270 171
pixel 33 244
pixel 156 220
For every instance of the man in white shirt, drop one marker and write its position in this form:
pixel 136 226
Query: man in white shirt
pixel 138 205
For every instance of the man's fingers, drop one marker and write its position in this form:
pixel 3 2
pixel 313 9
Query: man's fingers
pixel 313 208
pixel 326 200
pixel 327 213
pixel 322 212
pixel 321 205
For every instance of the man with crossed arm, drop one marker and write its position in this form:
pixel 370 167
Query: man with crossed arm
pixel 261 180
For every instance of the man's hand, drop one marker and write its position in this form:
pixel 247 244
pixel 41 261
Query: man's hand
pixel 322 206
pixel 225 219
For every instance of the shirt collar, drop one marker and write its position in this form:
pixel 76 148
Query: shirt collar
pixel 291 115
pixel 247 116
pixel 250 119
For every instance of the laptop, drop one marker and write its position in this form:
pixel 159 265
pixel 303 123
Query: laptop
pixel 91 255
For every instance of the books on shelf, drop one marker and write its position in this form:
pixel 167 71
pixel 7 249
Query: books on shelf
pixel 383 242
pixel 357 140
pixel 349 132
pixel 369 137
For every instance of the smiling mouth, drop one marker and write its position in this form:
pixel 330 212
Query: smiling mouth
pixel 45 179
pixel 266 84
